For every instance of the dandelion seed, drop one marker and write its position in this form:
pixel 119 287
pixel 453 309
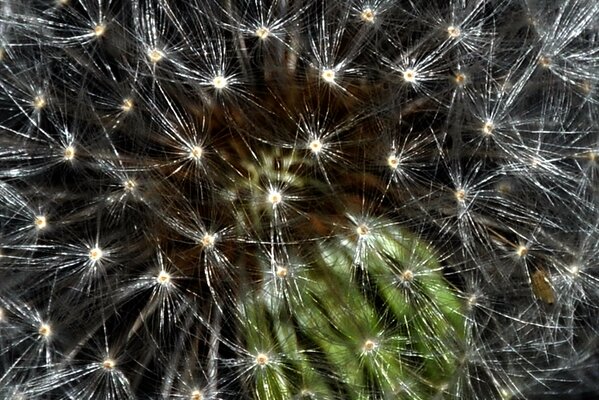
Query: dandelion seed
pixel 44 330
pixel 274 197
pixel 488 128
pixel 196 153
pixel 522 251
pixel 99 30
pixel 155 55
pixel 282 272
pixel 95 254
pixel 459 79
pixel 541 286
pixel 362 231
pixel 127 105
pixel 407 276
pixel 369 346
pixel 315 146
pixel 2 53
pixel 208 240
pixel 262 359
pixel 69 153
pixel 262 32
pixel 163 278
pixel 196 395
pixel 40 222
pixel 574 270
pixel 453 32
pixel 39 102
pixel 545 61
pixel 129 185
pixel 328 75
pixel 219 82
pixel 367 15
pixel 108 364
pixel 460 195
pixel 392 161
pixel 409 75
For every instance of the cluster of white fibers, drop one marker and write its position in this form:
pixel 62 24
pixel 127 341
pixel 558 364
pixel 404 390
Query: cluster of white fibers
pixel 307 199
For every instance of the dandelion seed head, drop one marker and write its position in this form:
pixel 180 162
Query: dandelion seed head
pixel 108 364
pixel 155 55
pixel 328 75
pixel 127 105
pixel 369 346
pixel 460 79
pixel 522 251
pixel 196 153
pixel 574 271
pixel 39 102
pixel 362 230
pixel 274 197
pixel 163 278
pixel 367 15
pixel 488 128
pixel 406 276
pixel 545 61
pixel 261 359
pixel 460 195
pixel 40 222
pixel 409 75
pixel 315 146
pixel 69 153
pixel 282 272
pixel 44 330
pixel 95 254
pixel 453 31
pixel 393 161
pixel 196 395
pixel 219 82
pixel 99 30
pixel 208 240
pixel 129 185
pixel 262 32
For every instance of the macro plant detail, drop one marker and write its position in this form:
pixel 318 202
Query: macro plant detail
pixel 278 199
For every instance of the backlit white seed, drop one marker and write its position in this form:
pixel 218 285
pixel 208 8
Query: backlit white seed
pixel 315 146
pixel 127 105
pixel 274 197
pixel 261 359
pixel 155 55
pixel 219 82
pixel 362 230
pixel 392 161
pixel 409 75
pixel 108 364
pixel 163 278
pixel 95 254
pixel 328 75
pixel 460 195
pixel 44 330
pixel 99 30
pixel 367 15
pixel 369 346
pixel 208 240
pixel 262 32
pixel 522 251
pixel 39 102
pixel 196 395
pixel 488 128
pixel 40 222
pixel 196 152
pixel 453 31
pixel 69 153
